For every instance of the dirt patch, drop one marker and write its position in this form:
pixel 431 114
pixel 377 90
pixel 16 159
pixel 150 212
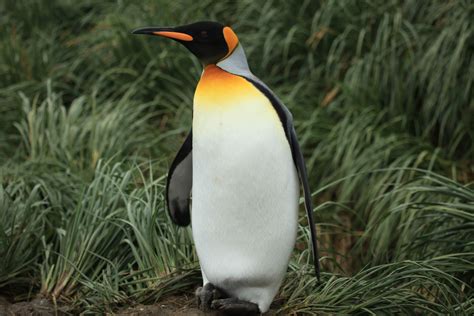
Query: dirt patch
pixel 174 305
pixel 36 307
pixel 171 306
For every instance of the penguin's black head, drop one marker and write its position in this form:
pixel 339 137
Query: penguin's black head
pixel 208 41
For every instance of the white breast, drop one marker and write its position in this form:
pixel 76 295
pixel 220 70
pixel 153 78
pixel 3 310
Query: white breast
pixel 245 198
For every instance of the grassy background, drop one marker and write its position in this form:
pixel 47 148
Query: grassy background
pixel 90 118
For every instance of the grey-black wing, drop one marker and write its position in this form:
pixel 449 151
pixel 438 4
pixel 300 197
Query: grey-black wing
pixel 179 184
pixel 287 122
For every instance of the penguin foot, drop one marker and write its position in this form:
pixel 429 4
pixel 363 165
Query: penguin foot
pixel 234 306
pixel 206 295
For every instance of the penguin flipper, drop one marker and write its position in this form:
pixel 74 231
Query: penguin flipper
pixel 287 121
pixel 301 166
pixel 179 184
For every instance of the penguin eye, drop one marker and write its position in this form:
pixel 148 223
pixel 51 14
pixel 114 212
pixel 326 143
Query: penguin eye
pixel 204 34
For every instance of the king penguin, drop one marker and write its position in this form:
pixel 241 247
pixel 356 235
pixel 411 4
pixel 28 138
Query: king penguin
pixel 243 166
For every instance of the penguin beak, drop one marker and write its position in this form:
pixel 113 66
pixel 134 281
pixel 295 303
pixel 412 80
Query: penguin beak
pixel 168 32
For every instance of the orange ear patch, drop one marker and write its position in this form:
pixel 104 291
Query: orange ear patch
pixel 231 39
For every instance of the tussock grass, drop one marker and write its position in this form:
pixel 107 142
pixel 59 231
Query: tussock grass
pixel 90 118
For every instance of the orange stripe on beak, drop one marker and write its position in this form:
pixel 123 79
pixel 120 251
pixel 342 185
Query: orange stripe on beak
pixel 175 35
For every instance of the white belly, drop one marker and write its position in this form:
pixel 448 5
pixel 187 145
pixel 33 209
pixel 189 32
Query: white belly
pixel 244 199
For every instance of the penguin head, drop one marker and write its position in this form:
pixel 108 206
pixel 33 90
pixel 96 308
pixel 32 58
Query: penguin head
pixel 211 42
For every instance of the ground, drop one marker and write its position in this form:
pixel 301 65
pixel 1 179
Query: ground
pixel 171 306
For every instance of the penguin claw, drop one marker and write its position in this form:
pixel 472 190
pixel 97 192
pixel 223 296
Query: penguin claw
pixel 234 306
pixel 197 294
pixel 206 295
